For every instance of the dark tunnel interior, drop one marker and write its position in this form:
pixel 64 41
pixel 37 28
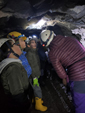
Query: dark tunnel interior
pixel 66 18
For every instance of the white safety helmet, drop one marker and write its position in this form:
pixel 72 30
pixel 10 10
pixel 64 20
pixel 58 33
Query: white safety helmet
pixel 46 37
pixel 29 39
pixel 3 40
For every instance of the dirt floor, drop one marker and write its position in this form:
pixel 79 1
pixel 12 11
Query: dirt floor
pixel 55 96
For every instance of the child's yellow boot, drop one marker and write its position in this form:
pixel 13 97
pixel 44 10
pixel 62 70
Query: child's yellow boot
pixel 38 104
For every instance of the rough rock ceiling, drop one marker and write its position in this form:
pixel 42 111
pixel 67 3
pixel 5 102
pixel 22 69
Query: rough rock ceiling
pixel 20 14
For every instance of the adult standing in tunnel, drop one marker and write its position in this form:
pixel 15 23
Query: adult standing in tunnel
pixel 68 53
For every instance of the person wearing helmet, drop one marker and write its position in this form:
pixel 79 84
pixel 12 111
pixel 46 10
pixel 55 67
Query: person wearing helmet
pixel 16 36
pixel 19 40
pixel 33 59
pixel 42 57
pixel 13 77
pixel 68 53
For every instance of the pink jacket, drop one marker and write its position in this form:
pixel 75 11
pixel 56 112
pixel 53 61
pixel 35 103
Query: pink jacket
pixel 64 51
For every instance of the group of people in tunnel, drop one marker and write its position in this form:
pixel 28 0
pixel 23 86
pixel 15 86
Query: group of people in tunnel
pixel 20 68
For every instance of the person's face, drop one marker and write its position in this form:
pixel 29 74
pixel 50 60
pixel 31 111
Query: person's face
pixel 33 44
pixel 16 49
pixel 22 43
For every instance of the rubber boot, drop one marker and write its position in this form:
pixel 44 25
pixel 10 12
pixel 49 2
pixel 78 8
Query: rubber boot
pixel 38 105
pixel 34 101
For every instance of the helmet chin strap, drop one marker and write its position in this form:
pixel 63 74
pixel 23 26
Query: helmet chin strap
pixel 16 54
pixel 12 50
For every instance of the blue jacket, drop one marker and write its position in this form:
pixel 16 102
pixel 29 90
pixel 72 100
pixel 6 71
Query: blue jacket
pixel 25 63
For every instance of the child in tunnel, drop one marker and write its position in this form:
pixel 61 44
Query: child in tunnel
pixel 18 37
pixel 32 58
pixel 13 78
pixel 43 59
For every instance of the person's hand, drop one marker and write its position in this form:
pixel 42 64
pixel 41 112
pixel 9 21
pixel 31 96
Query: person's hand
pixel 64 81
pixel 35 82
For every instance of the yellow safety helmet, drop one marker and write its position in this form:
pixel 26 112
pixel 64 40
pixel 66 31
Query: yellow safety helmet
pixel 16 35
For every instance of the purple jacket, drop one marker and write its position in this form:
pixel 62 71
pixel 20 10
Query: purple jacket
pixel 64 51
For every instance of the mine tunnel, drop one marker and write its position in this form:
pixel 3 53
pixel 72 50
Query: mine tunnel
pixel 27 19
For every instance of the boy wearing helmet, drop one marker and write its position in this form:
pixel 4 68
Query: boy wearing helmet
pixel 13 77
pixel 34 63
pixel 33 59
pixel 68 53
pixel 19 40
